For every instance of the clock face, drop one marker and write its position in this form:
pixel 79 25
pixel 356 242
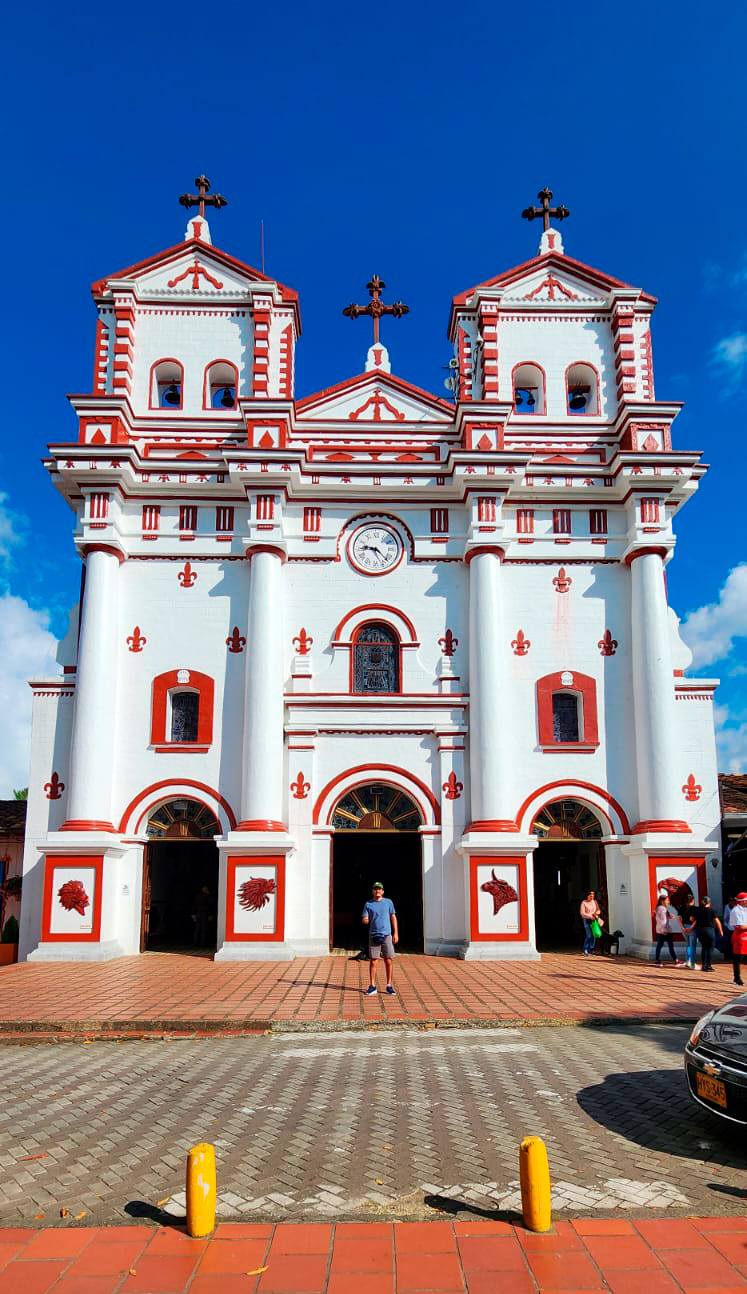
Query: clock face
pixel 375 549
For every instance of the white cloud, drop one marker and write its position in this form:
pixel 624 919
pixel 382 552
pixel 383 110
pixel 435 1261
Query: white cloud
pixel 27 649
pixel 12 528
pixel 732 747
pixel 729 356
pixel 710 631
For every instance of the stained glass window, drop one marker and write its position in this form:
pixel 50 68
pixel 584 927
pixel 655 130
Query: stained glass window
pixel 376 808
pixel 565 717
pixel 376 660
pixel 185 708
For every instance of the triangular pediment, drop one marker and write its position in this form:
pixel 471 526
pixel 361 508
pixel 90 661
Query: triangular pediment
pixel 193 269
pixel 375 398
pixel 551 279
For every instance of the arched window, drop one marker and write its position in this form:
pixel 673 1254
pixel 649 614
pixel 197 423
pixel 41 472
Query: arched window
pixel 565 716
pixel 582 390
pixel 166 384
pixel 529 389
pixel 185 713
pixel 375 659
pixel 220 386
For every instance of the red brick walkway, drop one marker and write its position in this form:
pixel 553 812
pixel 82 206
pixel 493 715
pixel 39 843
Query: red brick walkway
pixel 707 1255
pixel 161 991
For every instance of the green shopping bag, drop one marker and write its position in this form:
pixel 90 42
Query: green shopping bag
pixel 596 929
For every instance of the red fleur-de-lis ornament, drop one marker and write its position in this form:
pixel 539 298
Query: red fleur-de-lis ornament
pixel 521 644
pixel 187 577
pixel 54 787
pixel 300 788
pixel 448 643
pixel 451 788
pixel 302 642
pixel 237 642
pixel 607 644
pixel 692 790
pixel 562 581
pixel 136 640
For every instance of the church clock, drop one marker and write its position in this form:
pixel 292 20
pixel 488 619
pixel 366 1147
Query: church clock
pixel 375 550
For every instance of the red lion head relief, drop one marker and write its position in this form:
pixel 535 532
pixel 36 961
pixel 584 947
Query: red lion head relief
pixel 501 891
pixel 256 892
pixel 73 897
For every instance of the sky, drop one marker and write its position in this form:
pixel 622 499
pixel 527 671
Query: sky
pixel 403 139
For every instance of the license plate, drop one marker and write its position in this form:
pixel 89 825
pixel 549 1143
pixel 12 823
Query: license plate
pixel 711 1089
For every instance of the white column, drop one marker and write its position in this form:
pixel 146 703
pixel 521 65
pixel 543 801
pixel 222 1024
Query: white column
pixel 262 792
pixel 489 725
pixel 653 692
pixel 93 741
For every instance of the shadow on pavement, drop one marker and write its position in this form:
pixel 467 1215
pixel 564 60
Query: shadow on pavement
pixel 652 1108
pixel 141 1209
pixel 670 1037
pixel 446 1204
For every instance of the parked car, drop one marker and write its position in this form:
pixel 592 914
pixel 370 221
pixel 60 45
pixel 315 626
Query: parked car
pixel 716 1061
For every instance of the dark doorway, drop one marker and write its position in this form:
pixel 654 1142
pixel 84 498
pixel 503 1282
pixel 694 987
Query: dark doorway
pixel 174 875
pixel 358 859
pixel 564 872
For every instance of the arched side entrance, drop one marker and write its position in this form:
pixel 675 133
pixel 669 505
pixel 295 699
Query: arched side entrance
pixel 180 878
pixel 568 862
pixel 376 838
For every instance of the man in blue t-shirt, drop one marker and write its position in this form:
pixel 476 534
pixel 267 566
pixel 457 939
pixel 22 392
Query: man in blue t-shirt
pixel 381 919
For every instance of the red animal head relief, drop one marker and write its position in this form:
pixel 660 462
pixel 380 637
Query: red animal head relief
pixel 255 893
pixel 73 897
pixel 501 892
pixel 678 891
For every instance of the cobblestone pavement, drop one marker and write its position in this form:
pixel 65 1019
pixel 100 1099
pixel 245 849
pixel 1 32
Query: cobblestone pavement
pixel 361 1126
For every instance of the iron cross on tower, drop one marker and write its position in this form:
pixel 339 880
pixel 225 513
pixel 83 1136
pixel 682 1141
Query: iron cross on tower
pixel 376 307
pixel 201 199
pixel 545 211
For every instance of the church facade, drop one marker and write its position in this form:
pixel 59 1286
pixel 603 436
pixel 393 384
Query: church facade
pixel 368 633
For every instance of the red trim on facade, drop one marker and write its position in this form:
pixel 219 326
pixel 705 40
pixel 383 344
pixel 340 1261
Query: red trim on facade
pixel 103 548
pixel 265 548
pixel 51 862
pixel 538 413
pixel 87 824
pixel 585 688
pixel 373 774
pixel 499 860
pixel 660 825
pixel 207 389
pixel 382 611
pixel 582 786
pixel 642 552
pixel 588 413
pixel 259 860
pixel 479 549
pixel 492 824
pixel 260 824
pixel 175 784
pixel 153 386
pixel 163 684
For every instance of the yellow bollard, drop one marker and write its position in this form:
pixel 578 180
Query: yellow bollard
pixel 201 1190
pixel 534 1174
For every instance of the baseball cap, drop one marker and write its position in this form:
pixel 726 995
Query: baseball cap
pixel 378 886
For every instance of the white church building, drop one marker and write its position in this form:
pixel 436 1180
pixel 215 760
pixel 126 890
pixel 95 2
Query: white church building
pixel 369 633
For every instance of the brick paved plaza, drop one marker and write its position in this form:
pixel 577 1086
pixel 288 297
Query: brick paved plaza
pixel 161 991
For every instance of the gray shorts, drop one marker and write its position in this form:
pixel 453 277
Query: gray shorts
pixel 383 948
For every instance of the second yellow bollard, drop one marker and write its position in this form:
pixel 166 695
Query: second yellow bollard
pixel 534 1174
pixel 201 1189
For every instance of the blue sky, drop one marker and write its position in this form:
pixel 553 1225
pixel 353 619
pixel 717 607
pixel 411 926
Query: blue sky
pixel 402 139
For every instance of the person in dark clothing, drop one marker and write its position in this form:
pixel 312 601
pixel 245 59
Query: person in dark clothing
pixel 202 911
pixel 706 924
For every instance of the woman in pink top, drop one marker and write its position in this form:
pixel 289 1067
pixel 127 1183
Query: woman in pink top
pixel 662 918
pixel 590 911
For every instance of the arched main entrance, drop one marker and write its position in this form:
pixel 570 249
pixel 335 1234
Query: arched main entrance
pixel 568 862
pixel 376 838
pixel 180 878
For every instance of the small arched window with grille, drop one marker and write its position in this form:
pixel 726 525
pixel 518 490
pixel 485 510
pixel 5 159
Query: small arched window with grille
pixel 185 714
pixel 376 659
